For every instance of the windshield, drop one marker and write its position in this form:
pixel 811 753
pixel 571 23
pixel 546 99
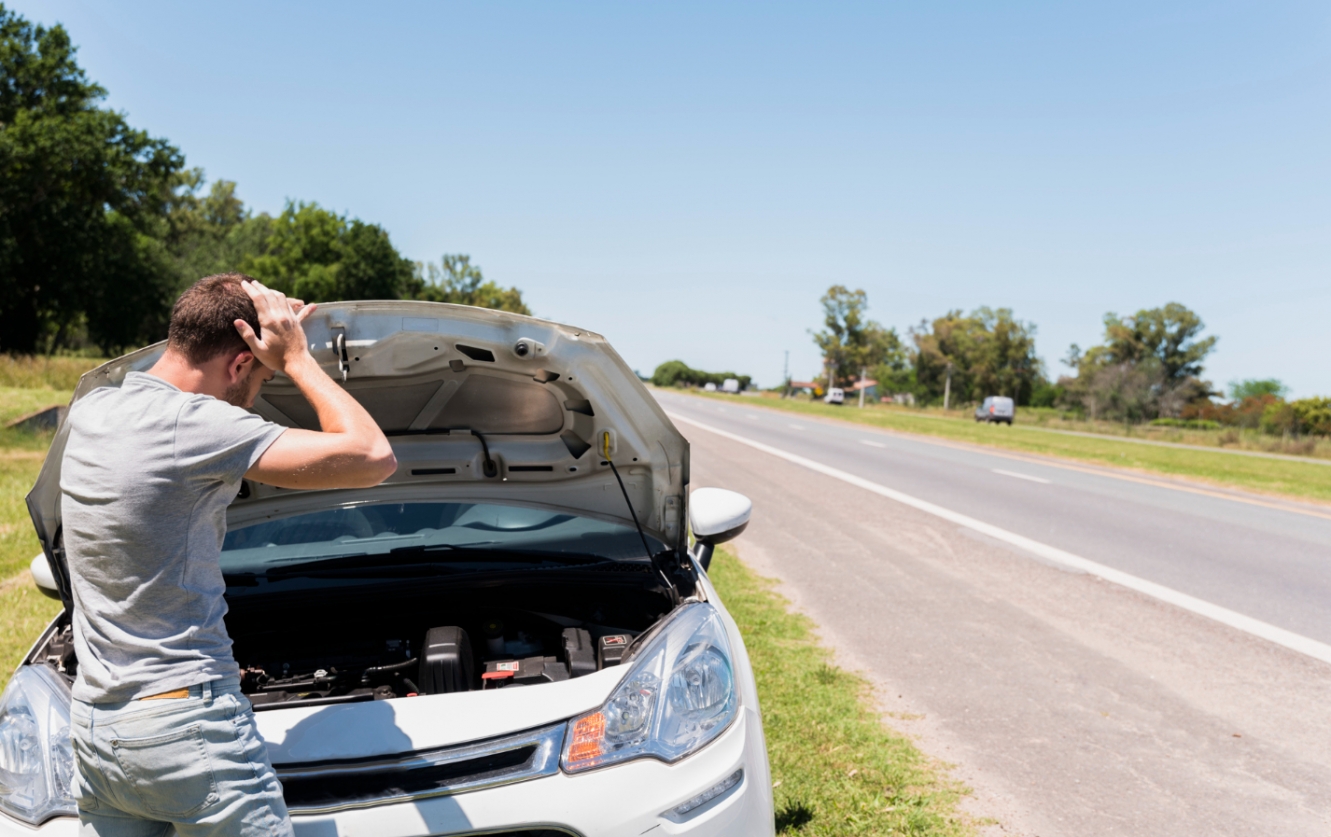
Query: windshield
pixel 385 528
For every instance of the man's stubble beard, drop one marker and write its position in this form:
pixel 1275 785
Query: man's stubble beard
pixel 238 395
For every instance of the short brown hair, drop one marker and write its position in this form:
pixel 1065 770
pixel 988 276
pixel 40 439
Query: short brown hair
pixel 203 321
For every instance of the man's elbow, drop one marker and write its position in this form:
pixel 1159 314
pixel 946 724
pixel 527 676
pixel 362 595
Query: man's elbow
pixel 380 463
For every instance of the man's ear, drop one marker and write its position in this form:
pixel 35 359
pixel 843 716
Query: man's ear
pixel 238 369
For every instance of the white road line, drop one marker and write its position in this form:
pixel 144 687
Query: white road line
pixel 1040 480
pixel 1225 616
pixel 798 426
pixel 872 444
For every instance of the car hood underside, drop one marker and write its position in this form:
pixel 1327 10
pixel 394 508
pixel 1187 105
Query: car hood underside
pixel 549 405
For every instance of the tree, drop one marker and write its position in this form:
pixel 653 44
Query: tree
pixel 1254 387
pixel 82 203
pixel 1149 365
pixel 990 353
pixel 677 373
pixel 849 341
pixel 1168 334
pixel 455 279
pixel 317 255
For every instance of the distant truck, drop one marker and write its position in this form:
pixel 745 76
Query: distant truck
pixel 996 408
pixel 835 395
pixel 730 385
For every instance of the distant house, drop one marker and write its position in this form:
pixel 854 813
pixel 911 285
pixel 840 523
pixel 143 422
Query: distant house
pixel 869 386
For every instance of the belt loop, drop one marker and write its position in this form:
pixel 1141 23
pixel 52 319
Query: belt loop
pixel 207 691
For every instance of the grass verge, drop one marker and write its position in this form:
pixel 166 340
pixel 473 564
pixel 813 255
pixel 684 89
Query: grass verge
pixel 19 401
pixel 1303 480
pixel 45 371
pixel 20 459
pixel 26 613
pixel 836 769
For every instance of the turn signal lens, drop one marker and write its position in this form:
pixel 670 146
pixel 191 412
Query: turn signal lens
pixel 588 735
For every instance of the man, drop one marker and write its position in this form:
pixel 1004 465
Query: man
pixel 162 735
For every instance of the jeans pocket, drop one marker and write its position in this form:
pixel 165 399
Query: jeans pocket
pixel 171 774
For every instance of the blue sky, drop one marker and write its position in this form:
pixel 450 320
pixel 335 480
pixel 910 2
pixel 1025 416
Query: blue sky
pixel 688 179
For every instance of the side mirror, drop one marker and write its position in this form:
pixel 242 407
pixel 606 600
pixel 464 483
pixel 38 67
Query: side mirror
pixel 717 515
pixel 41 573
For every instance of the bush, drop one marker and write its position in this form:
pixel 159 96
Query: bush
pixel 1046 394
pixel 1186 424
pixel 1305 417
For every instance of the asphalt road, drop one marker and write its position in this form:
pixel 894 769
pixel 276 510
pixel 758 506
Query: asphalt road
pixel 1072 705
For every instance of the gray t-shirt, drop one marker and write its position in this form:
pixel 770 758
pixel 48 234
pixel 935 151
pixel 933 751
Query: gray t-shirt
pixel 147 476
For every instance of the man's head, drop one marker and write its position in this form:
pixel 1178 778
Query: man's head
pixel 203 335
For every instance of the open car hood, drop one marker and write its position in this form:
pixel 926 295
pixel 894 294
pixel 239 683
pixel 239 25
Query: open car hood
pixel 541 395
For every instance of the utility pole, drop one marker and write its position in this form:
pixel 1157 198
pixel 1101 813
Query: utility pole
pixel 785 377
pixel 947 387
pixel 862 380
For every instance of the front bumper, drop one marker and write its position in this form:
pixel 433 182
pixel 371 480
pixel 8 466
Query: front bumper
pixel 629 798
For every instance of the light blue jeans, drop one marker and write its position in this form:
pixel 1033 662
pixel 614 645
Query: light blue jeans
pixel 195 763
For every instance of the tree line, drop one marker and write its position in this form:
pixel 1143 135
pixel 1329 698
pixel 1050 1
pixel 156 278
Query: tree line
pixel 1148 367
pixel 102 225
pixel 677 373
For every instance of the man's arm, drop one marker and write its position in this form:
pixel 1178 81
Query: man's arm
pixel 350 451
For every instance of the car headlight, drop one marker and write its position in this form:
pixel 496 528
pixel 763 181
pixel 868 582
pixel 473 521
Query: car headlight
pixel 36 755
pixel 677 697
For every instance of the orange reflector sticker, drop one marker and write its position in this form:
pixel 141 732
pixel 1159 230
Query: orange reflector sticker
pixel 588 733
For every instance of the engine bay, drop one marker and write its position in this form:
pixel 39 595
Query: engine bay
pixel 354 645
pixel 330 642
pixel 509 649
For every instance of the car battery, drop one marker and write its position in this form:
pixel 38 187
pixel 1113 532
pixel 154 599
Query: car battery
pixel 610 649
pixel 527 672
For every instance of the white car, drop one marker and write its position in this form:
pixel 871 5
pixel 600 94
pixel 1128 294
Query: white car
pixel 835 395
pixel 510 636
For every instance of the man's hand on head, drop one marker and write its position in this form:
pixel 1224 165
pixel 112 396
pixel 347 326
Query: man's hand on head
pixel 282 339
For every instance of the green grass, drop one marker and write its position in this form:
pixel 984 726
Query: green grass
pixel 19 465
pixel 19 401
pixel 836 769
pixel 24 610
pixel 1304 480
pixel 26 613
pixel 44 371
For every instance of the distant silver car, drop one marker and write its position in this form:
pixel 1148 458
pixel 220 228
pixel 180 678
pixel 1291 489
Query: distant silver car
pixel 996 408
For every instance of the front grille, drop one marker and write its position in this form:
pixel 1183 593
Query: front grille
pixel 323 787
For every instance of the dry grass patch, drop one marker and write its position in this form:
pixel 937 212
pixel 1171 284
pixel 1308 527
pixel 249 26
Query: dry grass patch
pixel 44 371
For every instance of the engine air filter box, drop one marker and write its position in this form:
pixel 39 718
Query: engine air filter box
pixel 446 663
pixel 579 652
